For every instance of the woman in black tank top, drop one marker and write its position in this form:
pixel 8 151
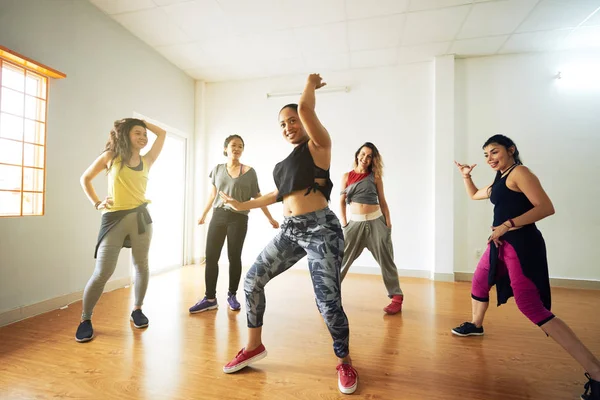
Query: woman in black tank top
pixel 515 260
pixel 309 229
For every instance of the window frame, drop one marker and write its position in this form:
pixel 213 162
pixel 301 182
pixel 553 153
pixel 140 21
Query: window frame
pixel 29 66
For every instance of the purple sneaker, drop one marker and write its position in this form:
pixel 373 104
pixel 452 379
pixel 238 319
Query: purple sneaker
pixel 204 305
pixel 234 305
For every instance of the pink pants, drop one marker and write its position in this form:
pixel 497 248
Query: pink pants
pixel 526 293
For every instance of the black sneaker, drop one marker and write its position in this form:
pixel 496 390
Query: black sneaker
pixel 139 319
pixel 592 389
pixel 468 329
pixel 85 332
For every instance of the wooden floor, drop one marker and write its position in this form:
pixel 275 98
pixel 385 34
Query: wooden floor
pixel 407 356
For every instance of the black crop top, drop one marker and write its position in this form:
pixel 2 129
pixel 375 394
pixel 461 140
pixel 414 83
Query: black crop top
pixel 298 171
pixel 507 203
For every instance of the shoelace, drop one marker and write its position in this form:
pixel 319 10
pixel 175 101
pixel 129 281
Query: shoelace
pixel 347 370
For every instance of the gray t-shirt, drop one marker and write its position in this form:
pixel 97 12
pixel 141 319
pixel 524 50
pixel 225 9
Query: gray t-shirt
pixel 363 191
pixel 242 188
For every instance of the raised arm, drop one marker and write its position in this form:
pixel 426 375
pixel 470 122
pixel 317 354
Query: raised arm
pixel 472 191
pixel 161 135
pixel 209 203
pixel 383 202
pixel 100 164
pixel 343 218
pixel 306 111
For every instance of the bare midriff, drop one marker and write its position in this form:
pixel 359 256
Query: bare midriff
pixel 362 209
pixel 298 203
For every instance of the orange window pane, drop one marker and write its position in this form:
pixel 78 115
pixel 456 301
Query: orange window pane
pixel 33 179
pixel 33 203
pixel 11 127
pixel 11 152
pixel 35 132
pixel 10 177
pixel 33 155
pixel 35 85
pixel 13 77
pixel 13 102
pixel 35 108
pixel 10 203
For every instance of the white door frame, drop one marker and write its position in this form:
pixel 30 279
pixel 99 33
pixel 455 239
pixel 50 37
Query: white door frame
pixel 188 210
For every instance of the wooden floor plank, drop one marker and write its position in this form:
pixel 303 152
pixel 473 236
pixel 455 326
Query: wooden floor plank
pixel 408 356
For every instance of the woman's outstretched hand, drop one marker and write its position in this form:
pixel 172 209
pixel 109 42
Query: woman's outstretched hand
pixel 465 169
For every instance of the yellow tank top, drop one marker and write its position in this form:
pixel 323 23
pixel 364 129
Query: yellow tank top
pixel 127 186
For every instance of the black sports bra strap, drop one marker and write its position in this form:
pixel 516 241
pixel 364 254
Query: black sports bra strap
pixel 507 173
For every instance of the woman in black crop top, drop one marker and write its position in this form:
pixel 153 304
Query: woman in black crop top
pixel 515 259
pixel 310 229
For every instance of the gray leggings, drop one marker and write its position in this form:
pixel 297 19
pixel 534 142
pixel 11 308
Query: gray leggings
pixel 106 262
pixel 377 238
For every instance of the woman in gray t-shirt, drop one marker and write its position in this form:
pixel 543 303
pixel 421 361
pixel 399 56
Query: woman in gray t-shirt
pixel 240 182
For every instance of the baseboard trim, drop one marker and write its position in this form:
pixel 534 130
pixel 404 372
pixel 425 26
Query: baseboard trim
pixel 444 277
pixel 554 282
pixel 463 276
pixel 21 313
pixel 407 273
pixel 574 283
pixel 198 261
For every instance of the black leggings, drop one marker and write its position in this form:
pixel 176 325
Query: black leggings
pixel 233 226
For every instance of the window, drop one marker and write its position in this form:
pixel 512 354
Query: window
pixel 23 105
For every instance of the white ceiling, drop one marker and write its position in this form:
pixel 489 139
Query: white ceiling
pixel 219 40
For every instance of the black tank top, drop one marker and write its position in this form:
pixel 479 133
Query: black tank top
pixel 507 203
pixel 298 171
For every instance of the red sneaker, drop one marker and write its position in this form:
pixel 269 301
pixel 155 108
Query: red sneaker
pixel 395 306
pixel 347 378
pixel 245 358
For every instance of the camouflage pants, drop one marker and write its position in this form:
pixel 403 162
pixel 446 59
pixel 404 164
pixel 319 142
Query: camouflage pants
pixel 319 235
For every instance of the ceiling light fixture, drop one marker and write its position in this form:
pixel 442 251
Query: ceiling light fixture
pixel 325 89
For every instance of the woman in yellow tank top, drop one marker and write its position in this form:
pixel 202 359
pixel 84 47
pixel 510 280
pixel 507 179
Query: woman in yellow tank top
pixel 125 219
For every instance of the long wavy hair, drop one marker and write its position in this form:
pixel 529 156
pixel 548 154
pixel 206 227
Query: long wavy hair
pixel 118 139
pixel 376 166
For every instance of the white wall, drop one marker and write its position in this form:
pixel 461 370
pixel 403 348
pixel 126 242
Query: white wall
pixel 392 107
pixel 443 183
pixel 556 130
pixel 110 75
